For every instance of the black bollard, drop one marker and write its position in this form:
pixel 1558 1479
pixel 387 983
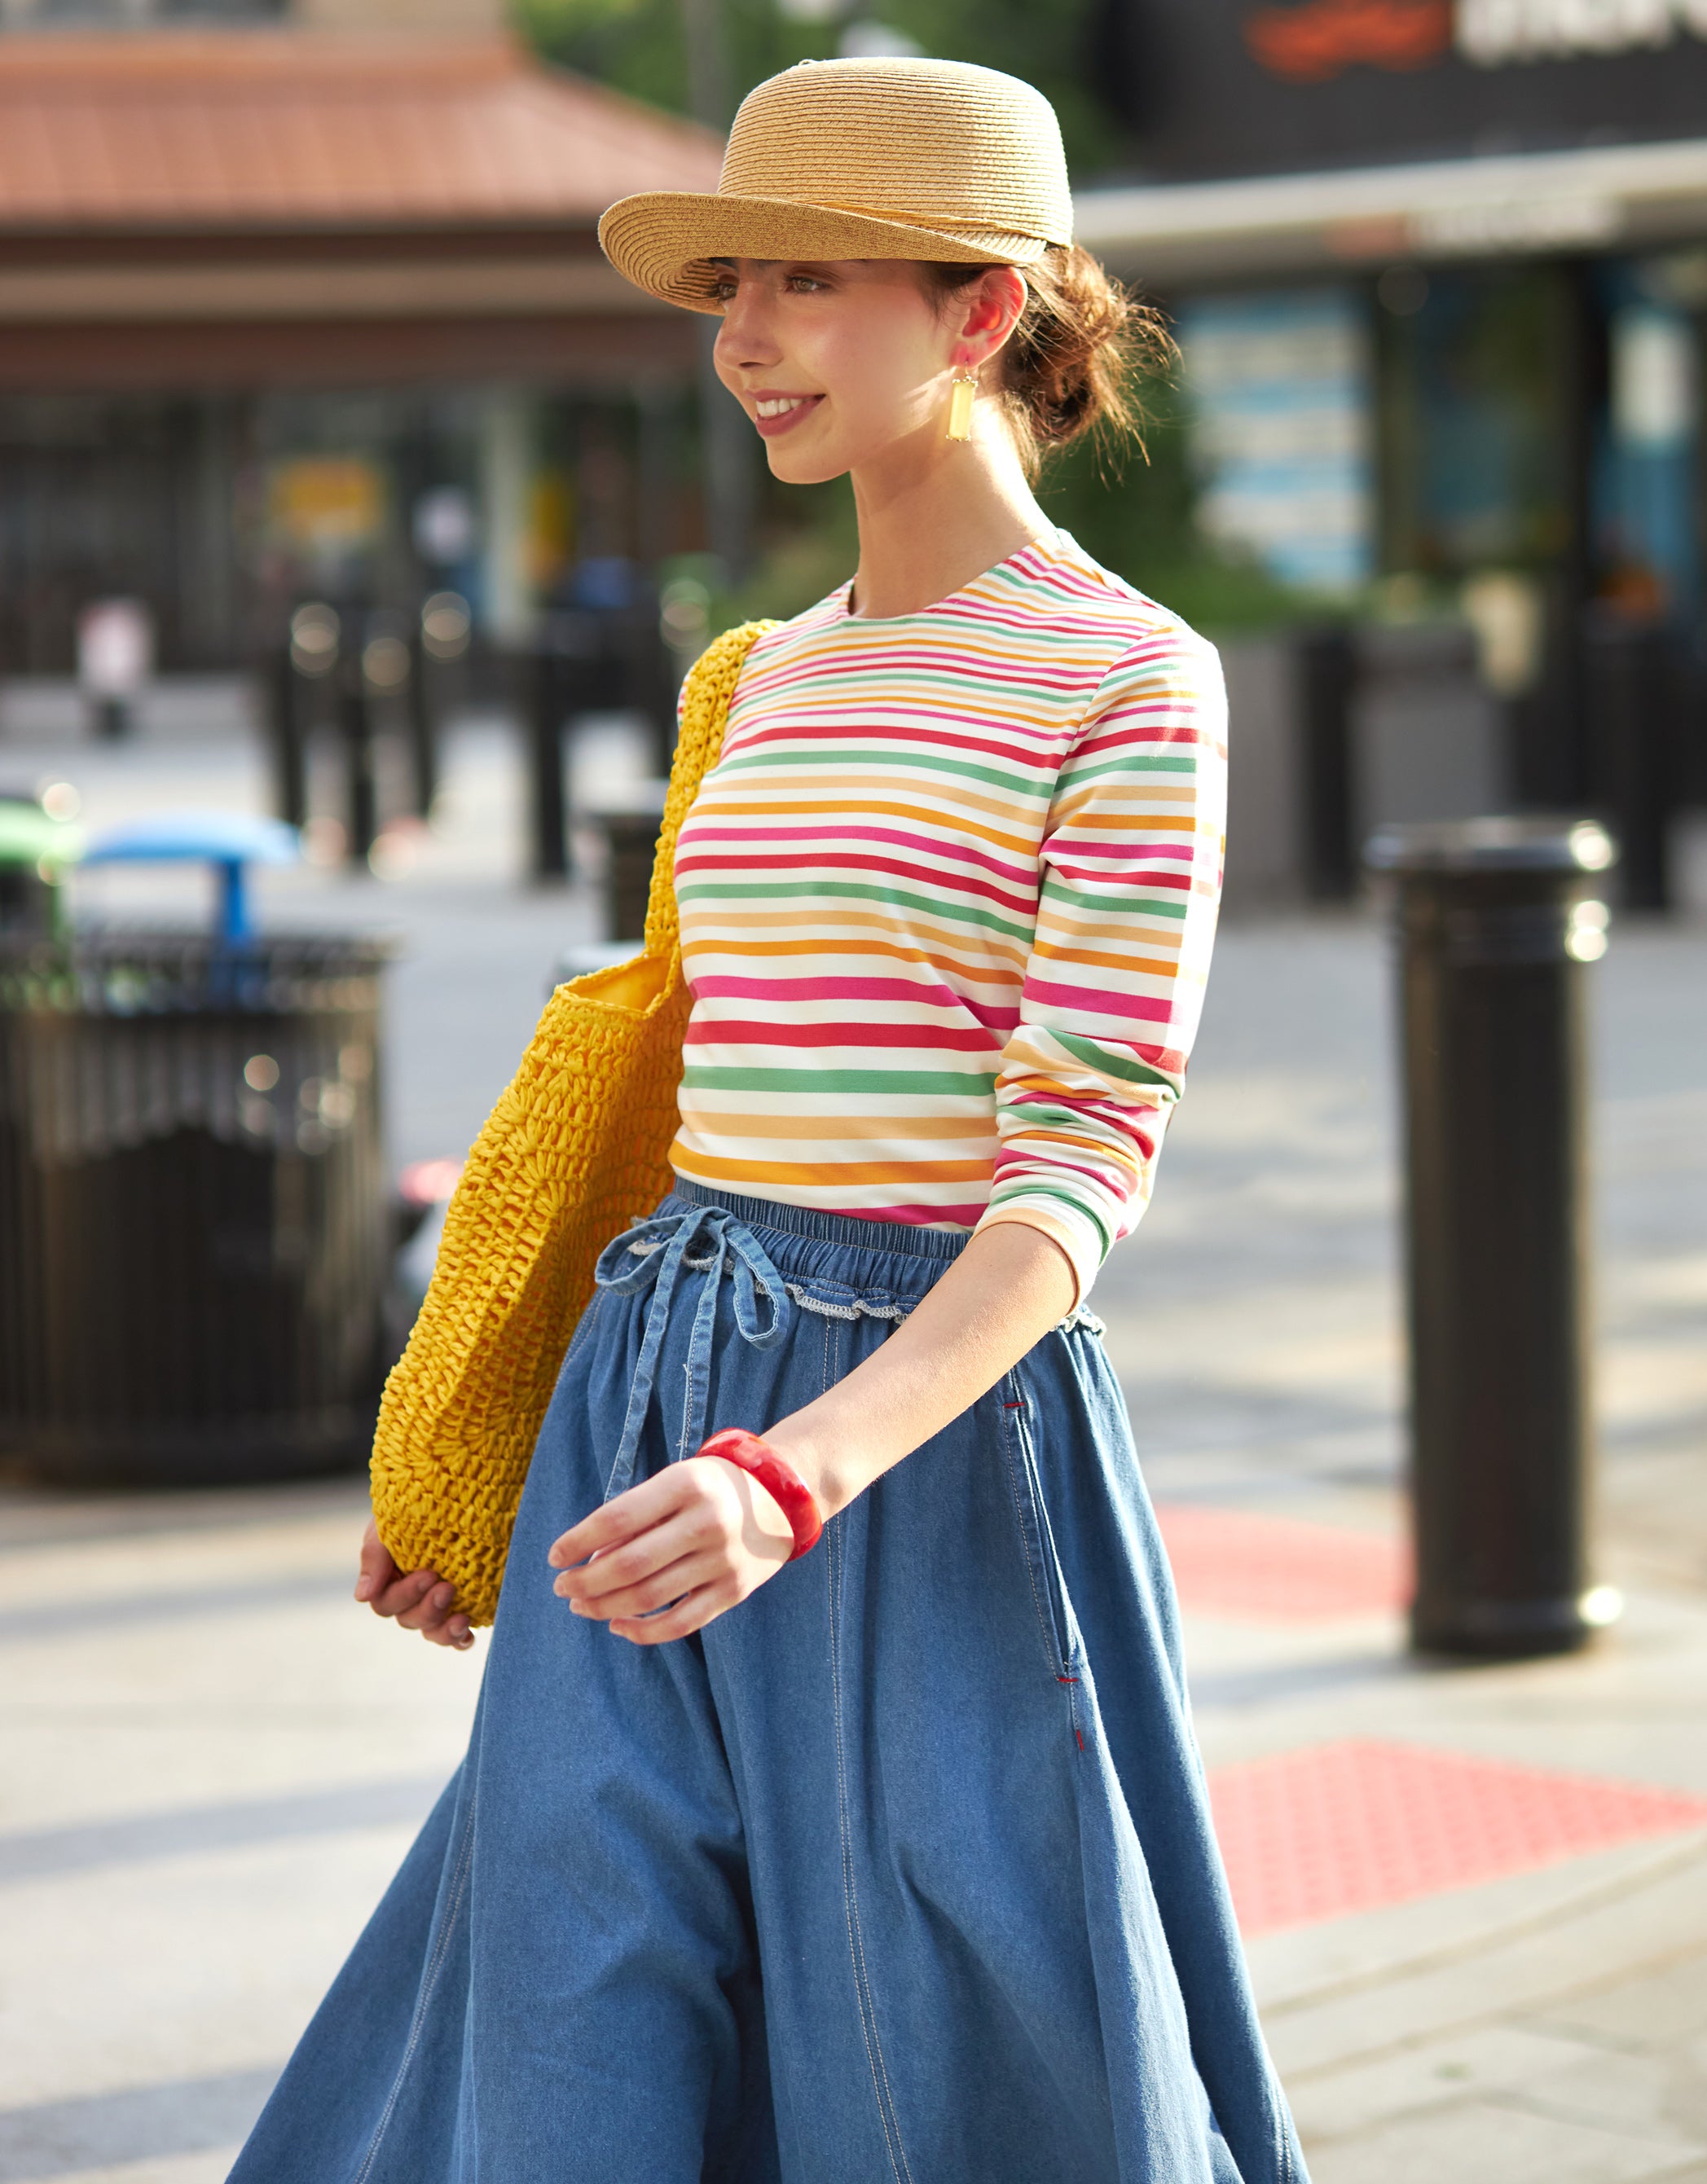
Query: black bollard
pixel 1497 920
pixel 423 726
pixel 631 837
pixel 1327 681
pixel 548 714
pixel 355 724
pixel 289 745
pixel 1632 700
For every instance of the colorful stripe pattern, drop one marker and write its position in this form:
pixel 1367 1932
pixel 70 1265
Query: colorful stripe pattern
pixel 947 900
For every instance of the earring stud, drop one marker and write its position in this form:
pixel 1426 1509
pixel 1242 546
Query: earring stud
pixel 960 405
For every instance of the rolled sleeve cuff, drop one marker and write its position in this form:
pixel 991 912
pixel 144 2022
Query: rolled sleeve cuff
pixel 1079 1239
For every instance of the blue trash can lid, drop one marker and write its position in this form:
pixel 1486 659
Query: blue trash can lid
pixel 224 838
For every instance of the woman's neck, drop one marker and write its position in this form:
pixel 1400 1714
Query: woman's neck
pixel 934 513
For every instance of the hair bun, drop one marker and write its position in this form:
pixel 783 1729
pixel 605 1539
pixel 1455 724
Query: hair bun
pixel 1068 365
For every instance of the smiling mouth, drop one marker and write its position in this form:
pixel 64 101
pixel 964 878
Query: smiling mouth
pixel 777 413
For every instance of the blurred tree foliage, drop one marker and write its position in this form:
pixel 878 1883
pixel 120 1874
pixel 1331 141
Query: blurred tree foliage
pixel 637 46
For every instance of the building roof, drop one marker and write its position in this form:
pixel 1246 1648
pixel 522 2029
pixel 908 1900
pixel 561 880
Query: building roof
pixel 1592 198
pixel 223 131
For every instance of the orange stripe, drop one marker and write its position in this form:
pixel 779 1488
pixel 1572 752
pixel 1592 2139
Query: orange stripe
pixel 828 1174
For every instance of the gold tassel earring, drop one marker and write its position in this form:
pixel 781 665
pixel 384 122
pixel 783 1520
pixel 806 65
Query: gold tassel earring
pixel 960 405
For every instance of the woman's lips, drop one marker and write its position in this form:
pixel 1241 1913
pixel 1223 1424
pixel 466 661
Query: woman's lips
pixel 787 411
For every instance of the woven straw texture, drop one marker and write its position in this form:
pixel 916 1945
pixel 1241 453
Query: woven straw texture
pixel 575 1150
pixel 861 158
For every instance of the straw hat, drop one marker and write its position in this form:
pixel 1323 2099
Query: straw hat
pixel 861 158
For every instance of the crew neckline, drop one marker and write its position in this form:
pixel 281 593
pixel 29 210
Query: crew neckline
pixel 1053 537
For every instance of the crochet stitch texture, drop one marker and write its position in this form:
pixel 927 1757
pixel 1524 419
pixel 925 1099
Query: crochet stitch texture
pixel 575 1150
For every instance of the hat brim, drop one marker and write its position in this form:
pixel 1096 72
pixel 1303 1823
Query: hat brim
pixel 663 240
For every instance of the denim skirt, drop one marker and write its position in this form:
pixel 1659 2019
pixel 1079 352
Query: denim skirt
pixel 901 1872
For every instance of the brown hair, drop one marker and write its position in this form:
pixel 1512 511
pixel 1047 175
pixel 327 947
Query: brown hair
pixel 1068 368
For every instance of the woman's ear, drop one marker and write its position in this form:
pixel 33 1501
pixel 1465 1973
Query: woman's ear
pixel 992 311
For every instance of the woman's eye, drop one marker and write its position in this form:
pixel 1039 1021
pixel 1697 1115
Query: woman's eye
pixel 803 284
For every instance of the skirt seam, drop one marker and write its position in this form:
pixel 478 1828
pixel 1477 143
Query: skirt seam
pixel 873 2047
pixel 453 1912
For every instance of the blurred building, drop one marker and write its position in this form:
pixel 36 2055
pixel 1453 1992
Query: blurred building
pixel 1440 268
pixel 309 300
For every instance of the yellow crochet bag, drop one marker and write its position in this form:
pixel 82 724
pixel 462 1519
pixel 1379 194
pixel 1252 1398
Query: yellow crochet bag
pixel 576 1149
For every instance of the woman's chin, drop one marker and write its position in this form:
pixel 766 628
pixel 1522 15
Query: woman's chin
pixel 803 465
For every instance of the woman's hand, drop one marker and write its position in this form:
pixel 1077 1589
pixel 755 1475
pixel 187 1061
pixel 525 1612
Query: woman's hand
pixel 420 1601
pixel 702 1534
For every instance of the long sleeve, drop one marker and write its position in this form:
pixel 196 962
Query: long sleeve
pixel 1113 987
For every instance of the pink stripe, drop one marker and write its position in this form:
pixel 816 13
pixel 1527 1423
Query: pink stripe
pixel 912 1216
pixel 1098 1001
pixel 716 985
pixel 827 866
pixel 712 1031
pixel 930 848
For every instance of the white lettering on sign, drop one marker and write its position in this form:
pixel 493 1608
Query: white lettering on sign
pixel 1492 32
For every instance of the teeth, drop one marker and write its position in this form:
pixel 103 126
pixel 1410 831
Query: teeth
pixel 780 407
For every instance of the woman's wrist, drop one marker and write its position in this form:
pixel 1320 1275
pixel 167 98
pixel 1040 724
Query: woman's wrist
pixel 800 1446
pixel 760 1460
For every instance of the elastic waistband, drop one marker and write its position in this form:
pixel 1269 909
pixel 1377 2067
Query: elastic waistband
pixel 896 1236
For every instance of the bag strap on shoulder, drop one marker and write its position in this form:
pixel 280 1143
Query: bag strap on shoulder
pixel 705 713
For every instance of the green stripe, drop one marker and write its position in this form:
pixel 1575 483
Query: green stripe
pixel 1072 773
pixel 887 677
pixel 937 1082
pixel 819 890
pixel 1080 893
pixel 924 762
pixel 1109 1064
pixel 1000 1197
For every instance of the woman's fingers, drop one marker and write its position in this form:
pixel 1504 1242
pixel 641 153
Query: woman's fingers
pixel 665 1585
pixel 693 1612
pixel 630 1514
pixel 431 1609
pixel 685 1532
pixel 406 1594
pixel 436 1617
pixel 375 1572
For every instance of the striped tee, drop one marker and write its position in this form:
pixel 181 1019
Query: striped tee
pixel 947 900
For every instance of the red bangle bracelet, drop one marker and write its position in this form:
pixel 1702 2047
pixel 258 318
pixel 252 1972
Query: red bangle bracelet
pixel 780 1480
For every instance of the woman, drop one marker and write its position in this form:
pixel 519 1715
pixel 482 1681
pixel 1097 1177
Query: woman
pixel 891 1860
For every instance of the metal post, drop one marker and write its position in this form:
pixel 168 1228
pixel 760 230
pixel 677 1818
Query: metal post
pixel 546 716
pixel 423 726
pixel 1631 700
pixel 290 762
pixel 355 723
pixel 1327 679
pixel 1496 919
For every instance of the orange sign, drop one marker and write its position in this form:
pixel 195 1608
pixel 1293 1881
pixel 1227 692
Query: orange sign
pixel 1322 38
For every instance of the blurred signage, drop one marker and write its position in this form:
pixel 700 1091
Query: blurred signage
pixel 1281 392
pixel 326 503
pixel 1242 87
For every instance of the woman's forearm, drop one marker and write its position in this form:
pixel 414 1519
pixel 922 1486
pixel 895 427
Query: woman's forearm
pixel 1004 1292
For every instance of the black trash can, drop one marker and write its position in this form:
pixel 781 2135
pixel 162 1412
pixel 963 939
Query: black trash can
pixel 194 1231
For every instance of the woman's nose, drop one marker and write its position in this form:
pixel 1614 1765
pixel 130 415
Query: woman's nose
pixel 744 339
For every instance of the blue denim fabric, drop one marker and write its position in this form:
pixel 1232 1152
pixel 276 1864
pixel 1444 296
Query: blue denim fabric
pixel 900 1872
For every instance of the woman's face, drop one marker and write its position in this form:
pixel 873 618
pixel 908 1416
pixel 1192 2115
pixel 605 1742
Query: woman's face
pixel 838 363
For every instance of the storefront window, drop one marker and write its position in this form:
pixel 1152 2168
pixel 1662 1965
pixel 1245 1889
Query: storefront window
pixel 1280 389
pixel 1475 417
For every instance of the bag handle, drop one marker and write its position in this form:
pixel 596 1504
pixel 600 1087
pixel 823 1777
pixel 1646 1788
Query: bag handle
pixel 705 713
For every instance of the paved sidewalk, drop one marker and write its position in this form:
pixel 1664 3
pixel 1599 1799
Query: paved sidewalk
pixel 1477 1897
